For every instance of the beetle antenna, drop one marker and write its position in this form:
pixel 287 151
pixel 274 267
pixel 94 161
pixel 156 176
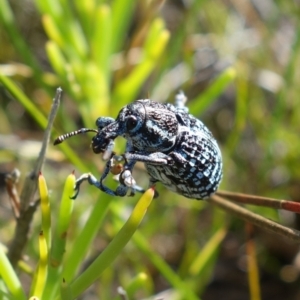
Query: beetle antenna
pixel 63 137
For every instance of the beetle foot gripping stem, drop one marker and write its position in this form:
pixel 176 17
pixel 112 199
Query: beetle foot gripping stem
pixel 92 180
pixel 126 183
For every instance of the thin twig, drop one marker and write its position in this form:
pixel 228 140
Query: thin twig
pixel 261 201
pixel 234 209
pixel 31 180
pixel 27 203
pixel 11 180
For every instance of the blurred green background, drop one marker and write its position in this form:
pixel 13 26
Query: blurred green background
pixel 238 63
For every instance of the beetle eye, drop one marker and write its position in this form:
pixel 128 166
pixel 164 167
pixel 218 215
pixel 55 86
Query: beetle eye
pixel 131 123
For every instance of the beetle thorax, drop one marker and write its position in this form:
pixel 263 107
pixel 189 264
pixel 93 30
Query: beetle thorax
pixel 158 128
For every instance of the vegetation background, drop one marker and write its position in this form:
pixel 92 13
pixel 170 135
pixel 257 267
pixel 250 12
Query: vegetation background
pixel 238 63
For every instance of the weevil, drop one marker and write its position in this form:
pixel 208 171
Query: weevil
pixel 176 148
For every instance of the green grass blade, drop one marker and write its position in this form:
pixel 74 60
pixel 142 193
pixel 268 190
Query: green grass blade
pixel 39 117
pixel 84 240
pixel 65 291
pixel 101 40
pixel 42 269
pixel 165 270
pixel 95 87
pixel 200 103
pixel 54 32
pixel 26 102
pixel 253 269
pixel 242 101
pixel 51 7
pixel 9 23
pixel 66 208
pixel 45 210
pixel 78 40
pixel 10 278
pixel 142 282
pixel 122 11
pixel 128 88
pixel 207 252
pixel 85 11
pixel 57 59
pixel 59 242
pixel 115 247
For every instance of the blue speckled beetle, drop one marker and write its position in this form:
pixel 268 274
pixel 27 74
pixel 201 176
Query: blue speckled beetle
pixel 177 149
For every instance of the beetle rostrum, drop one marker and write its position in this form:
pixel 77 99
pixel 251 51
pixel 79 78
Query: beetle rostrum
pixel 177 149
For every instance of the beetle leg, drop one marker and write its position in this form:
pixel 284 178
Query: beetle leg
pixel 180 100
pixel 126 180
pixel 130 182
pixel 156 158
pixel 91 179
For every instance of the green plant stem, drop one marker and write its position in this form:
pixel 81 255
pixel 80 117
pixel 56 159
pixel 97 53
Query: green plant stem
pixel 253 273
pixel 10 278
pixel 45 211
pixel 114 248
pixel 153 49
pixel 122 11
pixel 183 288
pixel 26 102
pixel 84 240
pixel 65 291
pixel 42 269
pixel 213 91
pixel 7 19
pixel 209 249
pixel 59 241
pixel 141 281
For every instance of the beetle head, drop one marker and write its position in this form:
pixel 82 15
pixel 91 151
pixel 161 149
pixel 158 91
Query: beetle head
pixel 147 125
